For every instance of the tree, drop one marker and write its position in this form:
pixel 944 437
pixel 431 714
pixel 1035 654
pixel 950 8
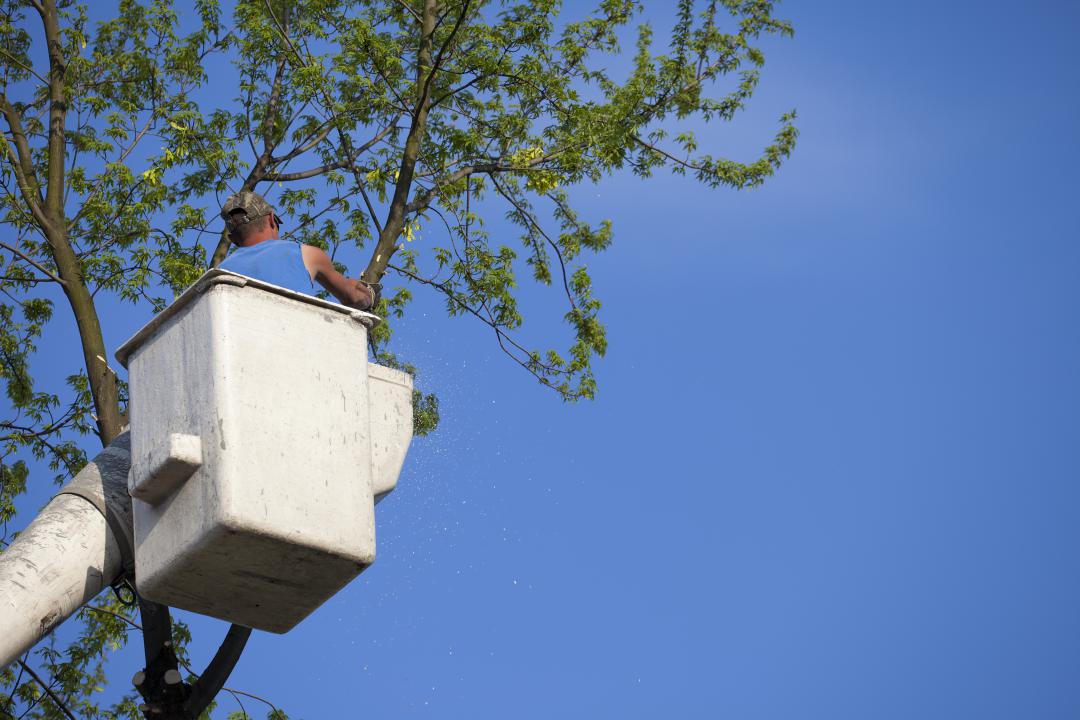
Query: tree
pixel 389 132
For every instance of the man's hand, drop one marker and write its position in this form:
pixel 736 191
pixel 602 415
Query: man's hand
pixel 374 291
pixel 352 293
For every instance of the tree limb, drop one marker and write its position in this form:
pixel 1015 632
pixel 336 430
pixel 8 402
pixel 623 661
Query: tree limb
pixel 21 160
pixel 370 208
pixel 532 221
pixel 416 15
pixel 309 173
pixel 103 384
pixel 27 68
pixel 18 681
pixel 48 690
pixel 57 141
pixel 340 164
pixel 33 262
pixel 234 691
pixel 663 153
pixel 118 616
pixel 271 105
pixel 501 335
pixel 314 140
pixel 395 218
pixel 424 199
pixel 86 203
pixel 426 92
pixel 454 91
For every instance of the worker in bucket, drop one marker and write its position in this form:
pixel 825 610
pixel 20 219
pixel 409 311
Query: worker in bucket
pixel 255 228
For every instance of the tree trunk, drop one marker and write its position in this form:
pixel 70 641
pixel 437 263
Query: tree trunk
pixel 395 219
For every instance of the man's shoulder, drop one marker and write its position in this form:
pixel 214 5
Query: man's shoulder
pixel 315 259
pixel 313 251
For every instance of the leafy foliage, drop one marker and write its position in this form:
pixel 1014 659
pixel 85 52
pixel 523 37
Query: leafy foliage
pixel 389 132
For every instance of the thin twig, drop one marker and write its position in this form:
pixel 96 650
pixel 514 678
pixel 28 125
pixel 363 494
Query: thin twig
pixel 499 332
pixel 11 698
pixel 370 208
pixel 139 135
pixel 416 15
pixel 48 690
pixel 118 616
pixel 12 278
pixel 27 68
pixel 253 697
pixel 528 216
pixel 663 153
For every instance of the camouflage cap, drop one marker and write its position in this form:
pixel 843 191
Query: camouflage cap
pixel 244 207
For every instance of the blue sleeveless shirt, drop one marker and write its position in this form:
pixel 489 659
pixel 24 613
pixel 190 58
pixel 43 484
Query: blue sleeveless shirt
pixel 279 262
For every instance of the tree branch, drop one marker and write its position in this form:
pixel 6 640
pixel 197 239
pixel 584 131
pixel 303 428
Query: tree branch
pixel 18 681
pixel 370 208
pixel 532 221
pixel 340 164
pixel 314 140
pixel 416 15
pixel 424 199
pixel 27 68
pixel 103 385
pixel 118 616
pixel 426 92
pixel 21 161
pixel 33 262
pixel 454 91
pixel 48 690
pixel 87 202
pixel 57 142
pixel 271 105
pixel 234 691
pixel 309 173
pixel 501 334
pixel 395 218
pixel 663 153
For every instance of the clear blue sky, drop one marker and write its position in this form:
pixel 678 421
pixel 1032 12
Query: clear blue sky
pixel 832 471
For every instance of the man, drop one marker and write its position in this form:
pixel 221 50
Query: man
pixel 254 227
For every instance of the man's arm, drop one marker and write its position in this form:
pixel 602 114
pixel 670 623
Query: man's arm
pixel 352 293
